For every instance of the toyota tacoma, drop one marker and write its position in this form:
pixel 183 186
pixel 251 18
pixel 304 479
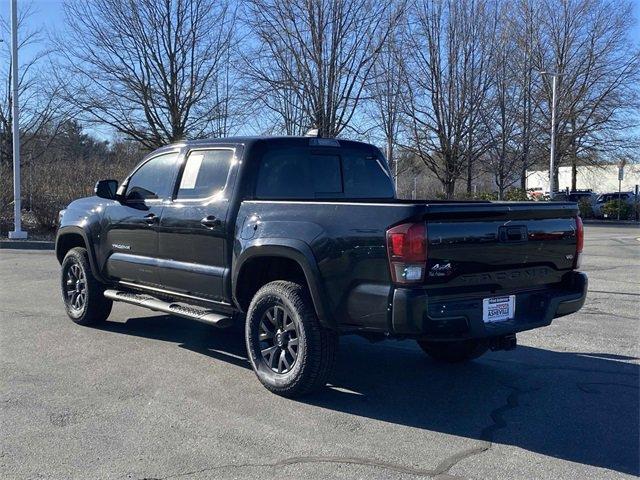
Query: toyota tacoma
pixel 303 240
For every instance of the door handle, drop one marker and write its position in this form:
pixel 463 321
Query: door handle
pixel 151 218
pixel 210 221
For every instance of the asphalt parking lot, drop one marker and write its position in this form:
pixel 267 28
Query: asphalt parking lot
pixel 156 397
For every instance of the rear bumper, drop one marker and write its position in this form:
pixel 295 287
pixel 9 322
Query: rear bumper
pixel 415 314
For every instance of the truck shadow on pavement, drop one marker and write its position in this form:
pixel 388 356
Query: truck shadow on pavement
pixel 580 407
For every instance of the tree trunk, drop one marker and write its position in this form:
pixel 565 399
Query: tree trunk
pixel 574 157
pixel 525 162
pixel 469 163
pixel 449 187
pixel 392 163
pixel 501 180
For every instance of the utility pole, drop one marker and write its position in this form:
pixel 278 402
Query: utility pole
pixel 620 178
pixel 552 156
pixel 17 232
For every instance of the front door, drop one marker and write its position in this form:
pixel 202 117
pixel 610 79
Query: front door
pixel 129 244
pixel 194 228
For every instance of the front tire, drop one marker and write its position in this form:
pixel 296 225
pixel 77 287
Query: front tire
pixel 454 352
pixel 82 293
pixel 290 351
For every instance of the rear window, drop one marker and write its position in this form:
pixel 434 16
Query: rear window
pixel 301 173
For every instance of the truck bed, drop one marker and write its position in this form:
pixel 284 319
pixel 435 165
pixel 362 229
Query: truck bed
pixel 466 255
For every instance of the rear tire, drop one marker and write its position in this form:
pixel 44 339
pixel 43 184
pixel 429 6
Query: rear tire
pixel 454 352
pixel 290 351
pixel 82 293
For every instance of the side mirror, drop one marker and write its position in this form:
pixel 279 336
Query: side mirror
pixel 107 189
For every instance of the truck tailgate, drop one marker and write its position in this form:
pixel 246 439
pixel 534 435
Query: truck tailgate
pixel 499 246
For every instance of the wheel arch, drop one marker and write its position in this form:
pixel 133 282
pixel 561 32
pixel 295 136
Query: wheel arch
pixel 70 237
pixel 269 260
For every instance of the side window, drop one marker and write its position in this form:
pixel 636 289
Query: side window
pixel 153 180
pixel 205 173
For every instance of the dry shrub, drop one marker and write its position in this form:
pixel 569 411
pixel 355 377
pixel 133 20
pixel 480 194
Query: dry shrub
pixel 49 187
pixel 6 198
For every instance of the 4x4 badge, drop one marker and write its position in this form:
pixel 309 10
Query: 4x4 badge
pixel 440 270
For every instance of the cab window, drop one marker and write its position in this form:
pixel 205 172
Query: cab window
pixel 153 180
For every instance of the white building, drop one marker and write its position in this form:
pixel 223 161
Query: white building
pixel 599 179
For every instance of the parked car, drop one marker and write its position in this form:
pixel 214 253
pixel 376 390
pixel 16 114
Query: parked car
pixel 537 193
pixel 303 240
pixel 626 197
pixel 575 196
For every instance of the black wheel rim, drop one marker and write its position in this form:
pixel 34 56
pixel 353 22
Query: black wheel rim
pixel 279 339
pixel 75 287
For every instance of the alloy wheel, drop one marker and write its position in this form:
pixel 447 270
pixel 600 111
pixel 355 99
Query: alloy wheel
pixel 279 339
pixel 76 287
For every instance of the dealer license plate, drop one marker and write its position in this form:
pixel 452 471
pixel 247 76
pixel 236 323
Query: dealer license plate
pixel 497 309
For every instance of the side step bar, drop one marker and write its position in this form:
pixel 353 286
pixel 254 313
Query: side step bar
pixel 173 308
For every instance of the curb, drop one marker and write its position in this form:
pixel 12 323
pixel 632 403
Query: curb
pixel 624 223
pixel 27 245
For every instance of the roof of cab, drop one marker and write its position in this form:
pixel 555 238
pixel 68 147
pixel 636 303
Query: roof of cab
pixel 249 140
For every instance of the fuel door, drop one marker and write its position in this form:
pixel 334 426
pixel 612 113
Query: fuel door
pixel 250 227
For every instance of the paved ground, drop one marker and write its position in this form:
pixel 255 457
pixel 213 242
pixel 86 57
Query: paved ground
pixel 151 396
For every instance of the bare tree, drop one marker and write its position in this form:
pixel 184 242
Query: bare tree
pixel 314 57
pixel 586 42
pixel 278 106
pixel 513 99
pixel 522 22
pixel 155 71
pixel 450 43
pixel 41 109
pixel 386 89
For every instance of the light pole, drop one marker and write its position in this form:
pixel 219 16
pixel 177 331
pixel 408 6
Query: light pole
pixel 17 232
pixel 552 155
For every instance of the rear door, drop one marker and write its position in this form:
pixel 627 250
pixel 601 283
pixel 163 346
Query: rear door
pixel 193 250
pixel 129 244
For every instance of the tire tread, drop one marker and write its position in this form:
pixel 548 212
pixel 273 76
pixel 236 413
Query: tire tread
pixel 322 343
pixel 98 307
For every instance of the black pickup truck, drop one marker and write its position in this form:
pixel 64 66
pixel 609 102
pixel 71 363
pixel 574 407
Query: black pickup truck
pixel 302 239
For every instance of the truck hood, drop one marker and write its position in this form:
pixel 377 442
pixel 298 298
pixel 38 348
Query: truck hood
pixel 81 211
pixel 89 203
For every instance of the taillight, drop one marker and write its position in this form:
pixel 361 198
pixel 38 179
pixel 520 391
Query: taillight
pixel 579 242
pixel 407 250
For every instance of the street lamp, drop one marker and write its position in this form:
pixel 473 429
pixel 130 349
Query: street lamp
pixel 17 232
pixel 552 156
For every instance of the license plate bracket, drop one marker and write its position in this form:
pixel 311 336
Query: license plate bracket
pixel 498 309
